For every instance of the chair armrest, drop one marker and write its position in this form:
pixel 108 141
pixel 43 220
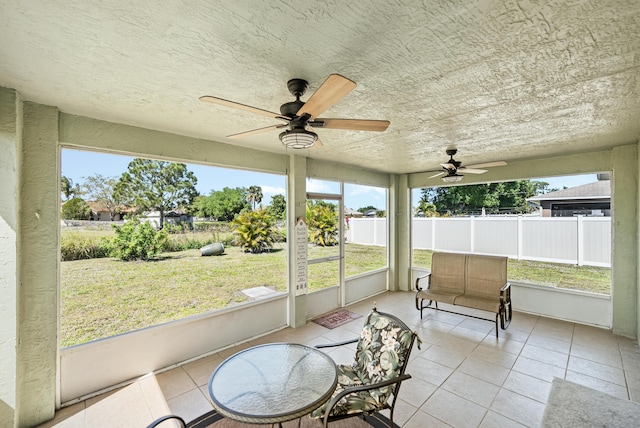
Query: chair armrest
pixel 353 389
pixel 331 345
pixel 418 281
pixel 506 286
pixel 158 421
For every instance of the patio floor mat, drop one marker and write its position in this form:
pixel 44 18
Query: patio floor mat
pixel 336 319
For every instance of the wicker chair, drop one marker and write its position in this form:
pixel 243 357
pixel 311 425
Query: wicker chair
pixel 373 381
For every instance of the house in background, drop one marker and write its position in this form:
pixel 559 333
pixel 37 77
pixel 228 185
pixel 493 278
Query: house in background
pixel 593 199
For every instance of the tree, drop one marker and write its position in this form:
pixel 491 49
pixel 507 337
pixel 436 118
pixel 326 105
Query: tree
pixel 67 188
pixel 254 195
pixel 508 197
pixel 278 207
pixel 102 190
pixel 363 210
pixel 223 204
pixel 161 186
pixel 76 209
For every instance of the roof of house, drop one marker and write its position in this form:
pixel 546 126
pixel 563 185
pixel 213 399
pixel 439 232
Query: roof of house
pixel 597 190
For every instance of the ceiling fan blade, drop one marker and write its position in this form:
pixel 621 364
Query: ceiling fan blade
pixel 487 165
pixel 437 175
pixel 317 144
pixel 352 124
pixel 256 131
pixel 330 92
pixel 448 165
pixel 471 170
pixel 232 104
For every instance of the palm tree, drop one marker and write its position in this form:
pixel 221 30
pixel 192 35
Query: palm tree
pixel 67 188
pixel 254 195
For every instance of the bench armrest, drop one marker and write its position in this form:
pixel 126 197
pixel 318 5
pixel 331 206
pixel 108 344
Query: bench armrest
pixel 506 286
pixel 331 345
pixel 422 277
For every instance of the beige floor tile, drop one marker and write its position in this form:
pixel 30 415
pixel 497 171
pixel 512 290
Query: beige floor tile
pixel 190 405
pixel 172 382
pixel 633 379
pixel 431 372
pixel 484 370
pixel 494 355
pixel 609 356
pixel 631 361
pixel 503 344
pixel 458 344
pixel 471 388
pixel 200 370
pixel 403 412
pixel 523 322
pixel 549 343
pixel 519 408
pixel 73 416
pixel 445 356
pixel 481 326
pixel 466 413
pixel 468 334
pixel 538 369
pixel 416 391
pixel 126 407
pixel 597 370
pixel 421 419
pixel 528 386
pixel 547 356
pixel 512 334
pixel 495 420
pixel 628 345
pixel 598 384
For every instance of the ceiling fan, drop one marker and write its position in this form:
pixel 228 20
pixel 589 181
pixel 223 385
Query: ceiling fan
pixel 452 167
pixel 299 116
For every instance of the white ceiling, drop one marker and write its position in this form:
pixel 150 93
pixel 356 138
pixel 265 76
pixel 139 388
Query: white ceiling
pixel 499 80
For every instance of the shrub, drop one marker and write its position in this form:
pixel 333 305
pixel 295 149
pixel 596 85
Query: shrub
pixel 322 222
pixel 79 246
pixel 254 231
pixel 137 240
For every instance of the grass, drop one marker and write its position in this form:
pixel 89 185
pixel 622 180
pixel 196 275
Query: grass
pixel 105 297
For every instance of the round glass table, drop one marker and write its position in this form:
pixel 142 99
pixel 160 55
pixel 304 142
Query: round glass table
pixel 272 383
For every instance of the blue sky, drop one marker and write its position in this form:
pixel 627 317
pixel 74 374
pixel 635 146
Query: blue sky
pixel 77 165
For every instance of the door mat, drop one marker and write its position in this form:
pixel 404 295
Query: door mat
pixel 336 319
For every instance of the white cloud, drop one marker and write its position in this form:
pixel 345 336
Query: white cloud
pixel 317 186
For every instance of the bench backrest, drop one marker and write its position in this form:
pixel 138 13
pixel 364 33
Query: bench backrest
pixel 448 272
pixel 486 275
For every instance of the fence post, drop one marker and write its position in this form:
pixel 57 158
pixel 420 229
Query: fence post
pixel 580 239
pixel 519 238
pixel 433 233
pixel 472 232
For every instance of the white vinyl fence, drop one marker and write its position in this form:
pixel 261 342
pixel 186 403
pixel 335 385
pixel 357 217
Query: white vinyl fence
pixel 573 240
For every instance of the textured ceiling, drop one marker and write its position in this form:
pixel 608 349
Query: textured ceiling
pixel 499 80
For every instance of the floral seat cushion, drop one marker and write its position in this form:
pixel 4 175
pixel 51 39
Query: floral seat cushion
pixel 382 349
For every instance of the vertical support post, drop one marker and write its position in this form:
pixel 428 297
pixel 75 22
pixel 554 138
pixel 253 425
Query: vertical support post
pixel 580 240
pixel 520 240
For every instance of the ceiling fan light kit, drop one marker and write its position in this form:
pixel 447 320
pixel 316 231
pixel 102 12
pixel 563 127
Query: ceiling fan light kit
pixel 454 178
pixel 298 138
pixel 298 116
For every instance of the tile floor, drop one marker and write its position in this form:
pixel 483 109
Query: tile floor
pixel 462 377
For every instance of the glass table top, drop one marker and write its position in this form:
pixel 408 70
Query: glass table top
pixel 272 383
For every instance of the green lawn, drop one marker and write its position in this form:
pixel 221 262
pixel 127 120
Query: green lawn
pixel 104 297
